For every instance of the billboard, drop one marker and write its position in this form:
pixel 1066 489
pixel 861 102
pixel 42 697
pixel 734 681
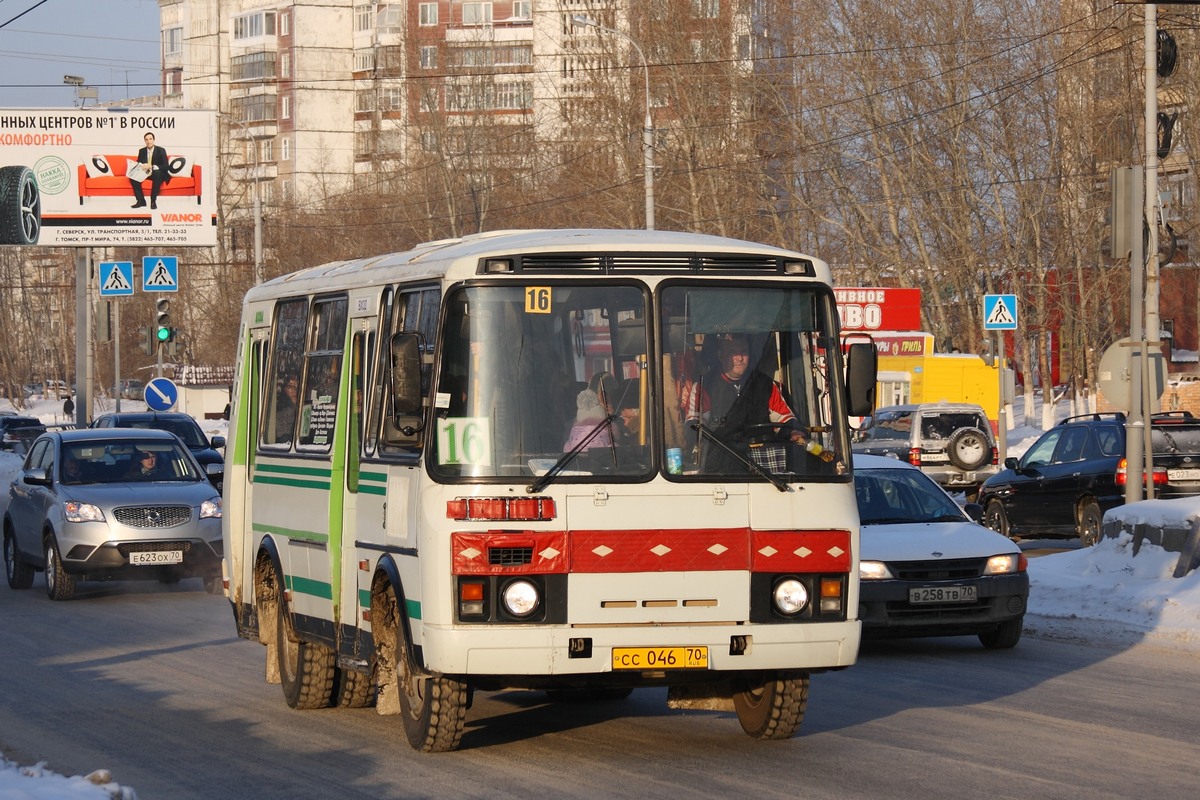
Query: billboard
pixel 68 177
pixel 876 308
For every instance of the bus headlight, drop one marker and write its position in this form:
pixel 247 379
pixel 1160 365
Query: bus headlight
pixel 520 598
pixel 791 596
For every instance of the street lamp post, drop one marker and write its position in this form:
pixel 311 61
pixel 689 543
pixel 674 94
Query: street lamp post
pixel 648 129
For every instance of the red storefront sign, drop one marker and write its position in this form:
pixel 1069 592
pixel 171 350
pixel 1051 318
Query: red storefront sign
pixel 878 308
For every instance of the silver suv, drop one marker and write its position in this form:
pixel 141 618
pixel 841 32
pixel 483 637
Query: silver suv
pixel 951 442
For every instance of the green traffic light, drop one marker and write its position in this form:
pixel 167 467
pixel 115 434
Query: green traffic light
pixel 162 333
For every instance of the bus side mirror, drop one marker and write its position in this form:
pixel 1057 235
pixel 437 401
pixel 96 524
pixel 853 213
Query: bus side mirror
pixel 406 351
pixel 860 378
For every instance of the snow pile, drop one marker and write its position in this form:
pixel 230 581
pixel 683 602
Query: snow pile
pixel 1106 592
pixel 38 783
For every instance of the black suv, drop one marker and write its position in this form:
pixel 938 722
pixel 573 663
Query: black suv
pixel 1076 471
pixel 183 426
pixel 17 433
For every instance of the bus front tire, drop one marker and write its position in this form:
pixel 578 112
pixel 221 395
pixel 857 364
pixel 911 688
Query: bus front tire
pixel 771 708
pixel 433 708
pixel 305 669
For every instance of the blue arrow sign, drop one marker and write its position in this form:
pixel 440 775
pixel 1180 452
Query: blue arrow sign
pixel 160 274
pixel 161 394
pixel 1000 312
pixel 116 278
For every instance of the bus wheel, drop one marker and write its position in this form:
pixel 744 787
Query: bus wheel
pixel 772 709
pixel 352 689
pixel 305 669
pixel 434 708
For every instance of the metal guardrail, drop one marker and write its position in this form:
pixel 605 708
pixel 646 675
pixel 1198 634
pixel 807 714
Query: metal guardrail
pixel 1179 538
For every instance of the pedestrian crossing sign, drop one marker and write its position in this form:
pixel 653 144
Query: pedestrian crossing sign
pixel 160 274
pixel 116 278
pixel 1000 312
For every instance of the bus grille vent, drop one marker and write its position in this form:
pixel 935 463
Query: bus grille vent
pixel 510 556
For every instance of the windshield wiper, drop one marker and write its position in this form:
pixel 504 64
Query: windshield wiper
pixel 753 466
pixel 566 458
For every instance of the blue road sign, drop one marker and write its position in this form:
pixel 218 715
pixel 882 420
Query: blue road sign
pixel 160 274
pixel 161 394
pixel 1000 312
pixel 116 278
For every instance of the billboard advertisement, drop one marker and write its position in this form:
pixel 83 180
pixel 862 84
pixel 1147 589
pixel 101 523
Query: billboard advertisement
pixel 879 308
pixel 100 177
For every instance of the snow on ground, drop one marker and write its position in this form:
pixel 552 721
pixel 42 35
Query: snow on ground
pixel 1103 593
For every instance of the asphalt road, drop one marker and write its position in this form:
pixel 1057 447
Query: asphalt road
pixel 150 682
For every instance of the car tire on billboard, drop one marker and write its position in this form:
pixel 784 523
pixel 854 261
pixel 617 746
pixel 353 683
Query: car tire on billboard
pixel 20 206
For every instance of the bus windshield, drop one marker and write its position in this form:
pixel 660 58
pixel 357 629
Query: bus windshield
pixel 563 377
pixel 528 372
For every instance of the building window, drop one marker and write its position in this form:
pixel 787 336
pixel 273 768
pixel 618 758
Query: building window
pixel 391 98
pixel 285 23
pixel 251 26
pixel 285 65
pixel 429 14
pixel 285 107
pixel 174 81
pixel 285 148
pixel 523 9
pixel 364 61
pixel 172 41
pixel 477 13
pixel 252 66
pixel 429 58
pixel 267 150
pixel 390 18
pixel 429 101
pixel 364 100
pixel 706 9
pixel 364 17
pixel 253 108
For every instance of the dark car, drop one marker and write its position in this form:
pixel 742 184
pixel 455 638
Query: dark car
pixel 183 426
pixel 1076 471
pixel 17 433
pixel 111 505
pixel 927 568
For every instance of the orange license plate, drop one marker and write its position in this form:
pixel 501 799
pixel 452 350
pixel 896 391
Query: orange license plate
pixel 660 658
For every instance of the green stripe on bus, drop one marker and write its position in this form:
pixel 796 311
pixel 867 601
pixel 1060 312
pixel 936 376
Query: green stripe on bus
pixel 291 533
pixel 266 479
pixel 412 607
pixel 373 476
pixel 310 587
pixel 291 469
pixel 379 490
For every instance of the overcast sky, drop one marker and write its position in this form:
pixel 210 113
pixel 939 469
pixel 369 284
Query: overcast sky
pixel 111 44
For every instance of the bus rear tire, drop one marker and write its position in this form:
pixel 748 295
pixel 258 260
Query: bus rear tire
pixel 305 669
pixel 433 708
pixel 772 708
pixel 353 689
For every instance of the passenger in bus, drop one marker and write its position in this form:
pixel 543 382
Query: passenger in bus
pixel 590 413
pixel 285 410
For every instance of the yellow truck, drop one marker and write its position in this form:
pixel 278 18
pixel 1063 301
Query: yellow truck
pixel 910 372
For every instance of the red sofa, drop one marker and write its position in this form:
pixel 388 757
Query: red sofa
pixel 104 176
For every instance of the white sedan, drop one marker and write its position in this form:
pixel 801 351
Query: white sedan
pixel 928 569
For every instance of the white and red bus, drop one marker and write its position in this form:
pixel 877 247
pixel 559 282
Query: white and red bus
pixel 498 462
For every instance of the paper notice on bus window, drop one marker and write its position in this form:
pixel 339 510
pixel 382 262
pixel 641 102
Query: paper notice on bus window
pixel 466 441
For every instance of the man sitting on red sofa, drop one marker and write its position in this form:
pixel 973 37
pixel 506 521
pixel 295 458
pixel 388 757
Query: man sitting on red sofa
pixel 160 173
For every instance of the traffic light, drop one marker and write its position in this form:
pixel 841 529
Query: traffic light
pixel 163 332
pixel 148 341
